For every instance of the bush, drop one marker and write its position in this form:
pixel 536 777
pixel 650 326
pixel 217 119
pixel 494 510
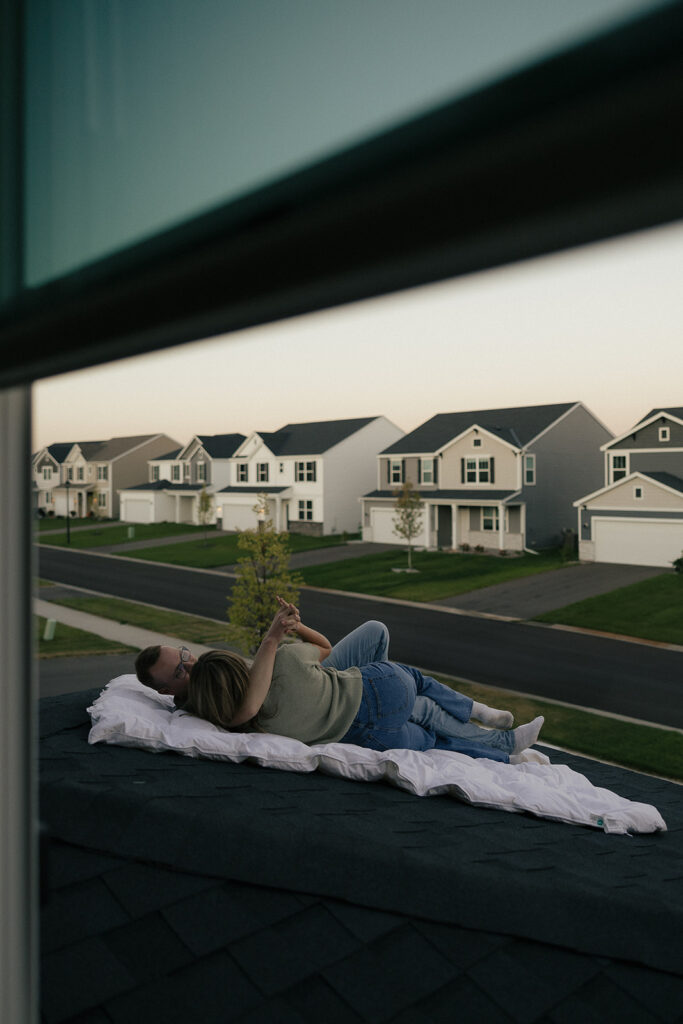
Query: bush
pixel 465 547
pixel 678 563
pixel 479 548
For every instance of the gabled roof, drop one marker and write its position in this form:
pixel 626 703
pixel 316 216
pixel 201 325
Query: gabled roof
pixel 668 480
pixel 60 450
pixel 653 415
pixel 311 438
pixel 221 446
pixel 676 412
pixel 516 426
pixel 167 456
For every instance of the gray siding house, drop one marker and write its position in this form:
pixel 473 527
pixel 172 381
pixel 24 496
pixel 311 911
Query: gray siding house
pixel 501 479
pixel 636 517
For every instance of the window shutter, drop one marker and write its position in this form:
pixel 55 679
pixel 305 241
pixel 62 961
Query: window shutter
pixel 403 471
pixel 389 472
pixel 436 471
pixel 493 474
pixel 462 471
pixel 419 471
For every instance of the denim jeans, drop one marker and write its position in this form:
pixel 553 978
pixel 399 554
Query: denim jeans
pixel 438 709
pixel 383 719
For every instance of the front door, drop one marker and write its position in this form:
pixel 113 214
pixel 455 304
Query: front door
pixel 444 534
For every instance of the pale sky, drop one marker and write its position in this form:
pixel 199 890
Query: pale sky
pixel 602 324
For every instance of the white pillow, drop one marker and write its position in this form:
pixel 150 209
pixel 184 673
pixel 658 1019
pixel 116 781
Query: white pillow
pixel 132 715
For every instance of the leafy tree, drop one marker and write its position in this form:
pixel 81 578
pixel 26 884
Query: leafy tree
pixel 408 518
pixel 205 509
pixel 262 573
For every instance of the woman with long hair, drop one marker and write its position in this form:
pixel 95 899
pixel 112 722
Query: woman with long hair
pixel 291 689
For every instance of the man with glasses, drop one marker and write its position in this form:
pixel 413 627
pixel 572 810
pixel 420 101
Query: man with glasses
pixel 166 669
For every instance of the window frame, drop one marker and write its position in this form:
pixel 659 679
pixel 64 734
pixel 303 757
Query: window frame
pixel 262 472
pixel 242 476
pixel 305 506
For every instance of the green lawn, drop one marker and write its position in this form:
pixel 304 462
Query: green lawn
pixel 190 628
pixel 70 642
pixel 440 574
pixel 98 537
pixel 59 523
pixel 221 549
pixel 652 610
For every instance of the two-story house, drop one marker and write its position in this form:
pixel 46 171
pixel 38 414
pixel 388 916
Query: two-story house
pixel 176 480
pixel 636 518
pixel 312 474
pixel 47 475
pixel 499 479
pixel 95 471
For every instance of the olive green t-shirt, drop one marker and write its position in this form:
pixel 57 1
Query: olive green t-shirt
pixel 309 702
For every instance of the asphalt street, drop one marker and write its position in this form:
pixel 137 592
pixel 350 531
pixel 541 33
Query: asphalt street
pixel 636 680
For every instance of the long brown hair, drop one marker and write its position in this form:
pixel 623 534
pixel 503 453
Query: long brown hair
pixel 218 685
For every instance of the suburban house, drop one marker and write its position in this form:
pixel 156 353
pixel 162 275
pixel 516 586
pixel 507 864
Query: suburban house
pixel 636 518
pixel 498 479
pixel 312 474
pixel 86 476
pixel 176 479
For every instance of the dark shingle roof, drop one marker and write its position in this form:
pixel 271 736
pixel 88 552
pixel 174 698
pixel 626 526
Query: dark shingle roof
pixel 668 479
pixel 517 426
pixel 474 495
pixel 188 890
pixel 60 450
pixel 167 455
pixel 221 446
pixel 311 438
pixel 677 412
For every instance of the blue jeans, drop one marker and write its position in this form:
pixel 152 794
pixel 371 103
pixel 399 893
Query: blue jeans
pixel 438 709
pixel 383 720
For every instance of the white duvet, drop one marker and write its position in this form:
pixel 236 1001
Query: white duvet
pixel 129 714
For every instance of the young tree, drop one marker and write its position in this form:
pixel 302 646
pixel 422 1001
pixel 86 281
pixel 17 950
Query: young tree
pixel 205 509
pixel 262 573
pixel 408 518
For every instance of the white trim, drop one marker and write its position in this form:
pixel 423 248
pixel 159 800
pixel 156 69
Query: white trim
pixel 640 426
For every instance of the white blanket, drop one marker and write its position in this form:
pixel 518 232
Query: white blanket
pixel 129 714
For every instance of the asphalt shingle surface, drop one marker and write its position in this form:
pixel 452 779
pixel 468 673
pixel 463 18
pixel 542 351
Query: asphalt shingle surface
pixel 185 890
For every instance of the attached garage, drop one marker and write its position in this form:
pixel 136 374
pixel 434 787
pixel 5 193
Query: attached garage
pixel 239 517
pixel 638 541
pixel 136 510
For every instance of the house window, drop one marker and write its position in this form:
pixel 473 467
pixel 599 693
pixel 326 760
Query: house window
pixel 70 473
pixel 306 510
pixel 637 492
pixel 477 470
pixel 103 472
pixel 304 471
pixel 396 471
pixel 201 472
pixel 79 473
pixel 529 469
pixel 261 472
pixel 427 471
pixel 101 500
pixel 489 518
pixel 47 473
pixel 175 473
pixel 664 433
pixel 242 472
pixel 155 472
pixel 618 467
pixel 186 472
pixel 476 443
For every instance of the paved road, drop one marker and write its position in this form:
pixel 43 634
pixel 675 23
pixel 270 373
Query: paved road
pixel 629 679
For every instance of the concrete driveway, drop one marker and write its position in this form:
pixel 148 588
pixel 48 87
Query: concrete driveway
pixel 533 595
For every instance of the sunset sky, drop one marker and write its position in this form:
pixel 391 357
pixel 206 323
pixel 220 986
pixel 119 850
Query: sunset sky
pixel 602 324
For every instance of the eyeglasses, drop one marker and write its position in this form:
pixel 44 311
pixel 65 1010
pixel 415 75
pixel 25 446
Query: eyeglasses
pixel 185 654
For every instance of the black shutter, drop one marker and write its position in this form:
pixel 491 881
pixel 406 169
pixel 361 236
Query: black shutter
pixel 403 471
pixel 462 471
pixel 419 471
pixel 436 471
pixel 493 472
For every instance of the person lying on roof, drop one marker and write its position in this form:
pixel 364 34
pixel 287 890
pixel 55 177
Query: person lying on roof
pixel 317 693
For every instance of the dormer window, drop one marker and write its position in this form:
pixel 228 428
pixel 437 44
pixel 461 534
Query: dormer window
pixel 242 472
pixel 665 433
pixel 201 472
pixel 618 467
pixel 262 472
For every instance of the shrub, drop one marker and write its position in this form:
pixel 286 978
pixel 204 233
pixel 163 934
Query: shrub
pixel 465 547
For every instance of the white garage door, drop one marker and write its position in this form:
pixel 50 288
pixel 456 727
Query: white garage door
pixel 136 510
pixel 382 522
pixel 239 517
pixel 638 541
